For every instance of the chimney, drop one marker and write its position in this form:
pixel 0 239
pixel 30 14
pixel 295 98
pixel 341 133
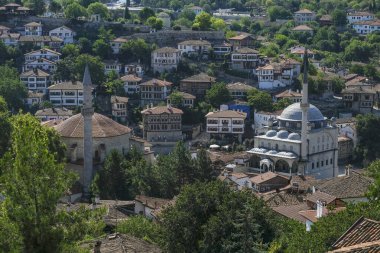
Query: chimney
pixel 319 209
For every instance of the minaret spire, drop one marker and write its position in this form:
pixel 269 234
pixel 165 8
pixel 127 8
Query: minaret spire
pixel 305 109
pixel 87 112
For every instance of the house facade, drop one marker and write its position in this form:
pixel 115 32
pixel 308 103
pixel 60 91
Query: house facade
pixel 47 114
pixel 366 27
pixel 222 123
pixel 194 47
pixel 112 65
pixel 239 90
pixel 68 94
pixel 245 59
pixel 45 53
pixel 293 96
pixel 119 107
pixel 131 84
pixel 154 91
pixel 165 59
pixel 187 100
pixel 241 41
pixel 117 43
pixel 222 51
pixel 197 85
pixel 359 99
pixel 36 80
pixel 304 16
pixel 275 75
pixel 264 120
pixel 33 28
pixel 359 16
pixel 64 33
pixel 41 63
pixel 162 124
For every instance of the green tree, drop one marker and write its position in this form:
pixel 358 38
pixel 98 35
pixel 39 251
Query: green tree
pixel 218 94
pixel 374 172
pixel 127 14
pixel 5 127
pixel 176 99
pixel 278 12
pixel 368 148
pixel 282 104
pixel 55 6
pixel 11 89
pixel 102 49
pixel 85 45
pixel 33 182
pixel 213 218
pixel 37 6
pixel 70 50
pixel 140 227
pixel 218 24
pixel 203 166
pixel 260 100
pixel 98 8
pixel 155 23
pixel 66 70
pixel 135 50
pixel 203 21
pixel 113 182
pixel 358 51
pixel 95 65
pixel 75 10
pixel 339 17
pixel 146 13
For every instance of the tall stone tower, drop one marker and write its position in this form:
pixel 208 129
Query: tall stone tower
pixel 87 112
pixel 305 109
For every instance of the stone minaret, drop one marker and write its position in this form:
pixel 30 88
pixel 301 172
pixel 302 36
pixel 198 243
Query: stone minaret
pixel 87 112
pixel 305 109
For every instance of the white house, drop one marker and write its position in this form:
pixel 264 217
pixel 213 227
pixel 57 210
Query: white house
pixel 131 84
pixel 240 179
pixel 64 33
pixel 228 122
pixel 10 39
pixel 47 114
pixel 67 94
pixel 222 51
pixel 41 63
pixel 194 47
pixel 119 107
pixel 366 27
pixel 165 59
pixel 34 98
pixel 275 75
pixel 262 120
pixel 303 16
pixel 117 43
pixel 134 69
pixel 36 80
pixel 45 53
pixel 33 28
pixel 359 16
pixel 146 206
pixel 112 65
pixel 347 127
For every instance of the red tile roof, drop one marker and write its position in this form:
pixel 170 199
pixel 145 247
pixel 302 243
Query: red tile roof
pixel 162 109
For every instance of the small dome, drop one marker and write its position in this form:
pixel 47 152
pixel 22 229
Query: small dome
pixel 283 134
pixel 294 136
pixel 163 15
pixel 271 133
pixel 272 152
pixel 294 113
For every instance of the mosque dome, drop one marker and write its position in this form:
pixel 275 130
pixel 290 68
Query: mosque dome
pixel 271 133
pixel 102 127
pixel 294 113
pixel 294 137
pixel 283 134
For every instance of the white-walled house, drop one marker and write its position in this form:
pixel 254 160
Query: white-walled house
pixel 228 122
pixel 112 65
pixel 10 39
pixel 119 107
pixel 165 59
pixel 34 98
pixel 32 29
pixel 276 75
pixel 146 206
pixel 359 16
pixel 366 27
pixel 134 69
pixel 41 63
pixel 36 80
pixel 68 94
pixel 131 84
pixel 117 43
pixel 45 53
pixel 194 47
pixel 64 33
pixel 262 120
pixel 304 16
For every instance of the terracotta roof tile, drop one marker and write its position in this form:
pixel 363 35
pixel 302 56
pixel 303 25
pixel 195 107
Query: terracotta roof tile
pixel 118 99
pixel 288 94
pixel 156 82
pixel 322 196
pixel 102 127
pixel 362 231
pixel 202 77
pixel 131 78
pixel 161 110
pixel 265 177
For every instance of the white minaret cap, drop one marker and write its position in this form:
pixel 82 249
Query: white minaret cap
pixel 87 77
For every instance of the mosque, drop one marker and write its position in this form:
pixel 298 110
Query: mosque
pixel 304 143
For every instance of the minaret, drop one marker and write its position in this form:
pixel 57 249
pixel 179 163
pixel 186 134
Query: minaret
pixel 87 112
pixel 305 109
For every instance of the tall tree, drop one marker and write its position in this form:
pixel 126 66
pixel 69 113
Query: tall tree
pixel 98 8
pixel 95 65
pixel 203 166
pixel 218 94
pixel 5 127
pixel 11 89
pixel 260 100
pixel 33 181
pixel 146 13
pixel 203 21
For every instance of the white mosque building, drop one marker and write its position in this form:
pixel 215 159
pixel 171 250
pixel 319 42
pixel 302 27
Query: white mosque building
pixel 304 143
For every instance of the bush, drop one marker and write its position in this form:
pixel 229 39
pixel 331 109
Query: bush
pixel 177 28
